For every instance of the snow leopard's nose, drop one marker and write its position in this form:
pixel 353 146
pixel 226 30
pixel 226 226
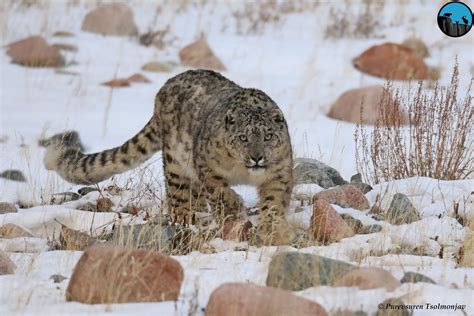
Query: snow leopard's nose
pixel 256 160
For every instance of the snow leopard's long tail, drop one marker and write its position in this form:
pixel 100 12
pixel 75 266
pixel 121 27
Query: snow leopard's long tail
pixel 69 161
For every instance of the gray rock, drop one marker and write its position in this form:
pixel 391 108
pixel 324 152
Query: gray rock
pixel 389 308
pixel 356 180
pixel 308 171
pixel 57 278
pixel 86 190
pixel 413 277
pixel 6 207
pixel 298 271
pixel 401 211
pixel 14 175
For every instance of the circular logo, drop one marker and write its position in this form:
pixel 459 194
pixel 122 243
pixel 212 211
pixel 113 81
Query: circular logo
pixel 455 19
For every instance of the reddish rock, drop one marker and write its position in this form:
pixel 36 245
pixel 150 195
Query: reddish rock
pixel 34 51
pixel 355 198
pixel 111 19
pixel 200 55
pixel 139 78
pixel 333 196
pixel 108 274
pixel 243 299
pixel 236 230
pixel 14 231
pixel 392 61
pixel 67 47
pixel 6 265
pixel 327 225
pixel 364 106
pixel 369 278
pixel 117 83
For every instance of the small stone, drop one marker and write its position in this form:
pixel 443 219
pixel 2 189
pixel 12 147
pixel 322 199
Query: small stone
pixel 157 67
pixel 57 278
pixel 117 83
pixel 298 271
pixel 85 190
pixel 401 211
pixel 104 204
pixel 307 171
pixel 355 198
pixel 6 207
pixel 389 308
pixel 111 19
pixel 109 274
pixel 238 230
pixel 139 78
pixel 356 180
pixel 14 175
pixel 63 34
pixel 413 277
pixel 14 231
pixel 235 299
pixel 327 225
pixel 66 47
pixel 369 278
pixel 199 55
pixel 6 265
pixel 74 240
pixel 34 51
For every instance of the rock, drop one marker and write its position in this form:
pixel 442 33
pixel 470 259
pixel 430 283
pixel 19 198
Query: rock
pixel 74 240
pixel 111 19
pixel 401 211
pixel 235 299
pixel 356 180
pixel 63 34
pixel 34 51
pixel 200 55
pixel 157 67
pixel 57 278
pixel 238 230
pixel 139 78
pixel 104 204
pixel 332 196
pixel 6 207
pixel 109 274
pixel 85 190
pixel 417 46
pixel 369 278
pixel 14 175
pixel 364 105
pixel 117 83
pixel 307 170
pixel 392 61
pixel 389 308
pixel 413 277
pixel 6 265
pixel 355 198
pixel 298 271
pixel 14 231
pixel 327 225
pixel 66 47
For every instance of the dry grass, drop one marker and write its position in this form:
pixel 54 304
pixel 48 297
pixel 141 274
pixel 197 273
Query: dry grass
pixel 437 142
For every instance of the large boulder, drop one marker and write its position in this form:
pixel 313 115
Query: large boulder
pixel 242 299
pixel 109 274
pixel 111 19
pixel 34 51
pixel 392 61
pixel 199 55
pixel 364 106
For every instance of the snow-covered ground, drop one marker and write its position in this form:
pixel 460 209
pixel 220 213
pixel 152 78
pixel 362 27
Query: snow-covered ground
pixel 291 61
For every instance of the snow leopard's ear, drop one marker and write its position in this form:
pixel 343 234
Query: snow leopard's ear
pixel 229 119
pixel 279 119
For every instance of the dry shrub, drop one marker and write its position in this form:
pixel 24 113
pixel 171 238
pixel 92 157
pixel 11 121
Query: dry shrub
pixel 436 143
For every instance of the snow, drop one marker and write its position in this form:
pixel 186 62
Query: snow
pixel 293 63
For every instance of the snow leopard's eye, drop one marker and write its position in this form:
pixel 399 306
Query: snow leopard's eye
pixel 243 138
pixel 268 137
